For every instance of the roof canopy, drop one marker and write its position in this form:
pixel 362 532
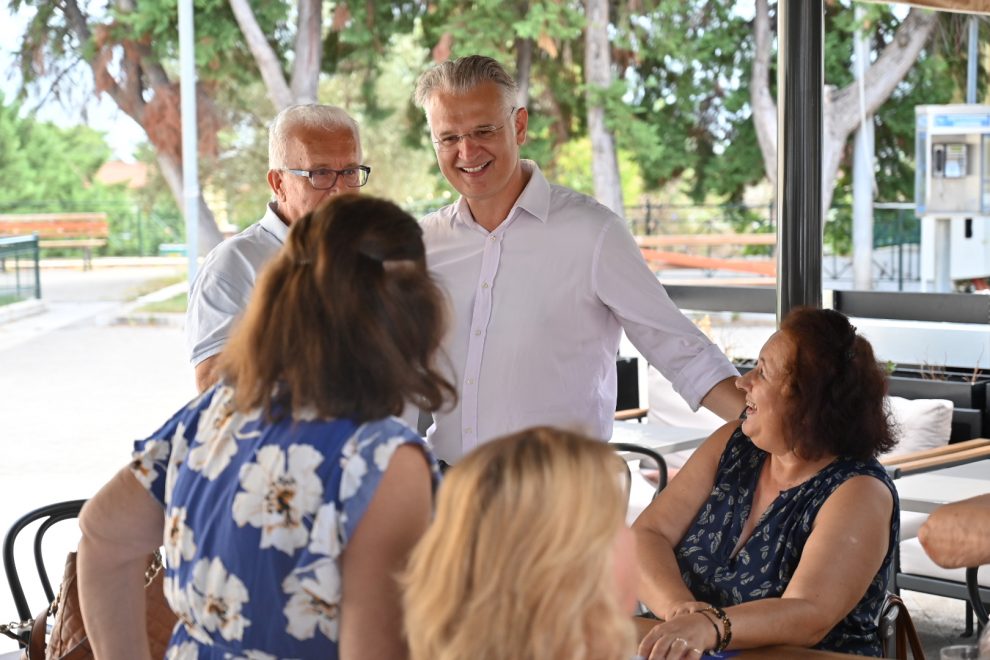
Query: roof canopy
pixel 964 6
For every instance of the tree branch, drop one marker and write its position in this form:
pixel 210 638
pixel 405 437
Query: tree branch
pixel 268 63
pixel 886 72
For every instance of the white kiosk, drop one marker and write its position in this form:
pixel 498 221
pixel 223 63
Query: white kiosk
pixel 952 193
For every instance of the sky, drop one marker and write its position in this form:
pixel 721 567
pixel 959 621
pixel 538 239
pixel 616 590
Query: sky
pixel 121 133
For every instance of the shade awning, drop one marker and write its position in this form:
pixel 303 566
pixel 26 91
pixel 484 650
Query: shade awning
pixel 964 6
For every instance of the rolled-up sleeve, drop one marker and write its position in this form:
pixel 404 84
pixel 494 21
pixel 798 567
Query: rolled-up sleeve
pixel 651 320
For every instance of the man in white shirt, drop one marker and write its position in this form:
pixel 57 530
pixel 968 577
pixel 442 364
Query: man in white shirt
pixel 542 281
pixel 314 151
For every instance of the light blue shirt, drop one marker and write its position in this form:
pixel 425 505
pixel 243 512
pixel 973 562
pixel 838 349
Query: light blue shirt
pixel 225 282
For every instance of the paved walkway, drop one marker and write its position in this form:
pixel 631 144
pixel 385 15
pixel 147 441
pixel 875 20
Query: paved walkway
pixel 78 387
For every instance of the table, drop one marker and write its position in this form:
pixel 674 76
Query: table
pixel 643 626
pixel 663 439
pixel 927 491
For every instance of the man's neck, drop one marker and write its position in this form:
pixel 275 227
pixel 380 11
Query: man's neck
pixel 490 213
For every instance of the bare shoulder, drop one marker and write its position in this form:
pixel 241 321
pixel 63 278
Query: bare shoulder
pixel 860 495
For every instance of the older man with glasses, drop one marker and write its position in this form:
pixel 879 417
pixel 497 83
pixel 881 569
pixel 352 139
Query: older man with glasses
pixel 542 281
pixel 314 151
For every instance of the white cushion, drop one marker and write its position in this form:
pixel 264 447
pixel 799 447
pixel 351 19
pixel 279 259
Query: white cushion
pixel 911 522
pixel 915 561
pixel 920 423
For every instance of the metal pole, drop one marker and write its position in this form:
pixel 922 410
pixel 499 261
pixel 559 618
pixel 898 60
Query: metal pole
pixel 973 59
pixel 800 74
pixel 862 221
pixel 190 164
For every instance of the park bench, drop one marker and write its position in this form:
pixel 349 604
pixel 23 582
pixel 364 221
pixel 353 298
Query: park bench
pixel 653 248
pixel 83 231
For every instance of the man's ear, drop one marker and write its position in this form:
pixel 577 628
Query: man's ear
pixel 275 182
pixel 521 125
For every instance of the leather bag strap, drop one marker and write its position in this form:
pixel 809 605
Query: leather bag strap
pixel 36 642
pixel 907 635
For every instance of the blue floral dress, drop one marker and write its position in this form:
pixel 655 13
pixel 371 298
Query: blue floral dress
pixel 257 515
pixel 764 565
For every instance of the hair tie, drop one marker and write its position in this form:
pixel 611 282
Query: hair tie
pixel 299 263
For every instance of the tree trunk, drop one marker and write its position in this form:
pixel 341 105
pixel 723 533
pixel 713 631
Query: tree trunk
pixel 524 64
pixel 309 51
pixel 842 109
pixel 598 77
pixel 209 233
pixel 141 87
pixel 268 63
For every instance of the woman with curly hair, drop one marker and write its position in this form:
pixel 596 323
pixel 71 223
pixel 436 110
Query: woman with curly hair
pixel 780 529
pixel 528 558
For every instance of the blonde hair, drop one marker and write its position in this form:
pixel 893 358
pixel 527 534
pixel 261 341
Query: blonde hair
pixel 518 564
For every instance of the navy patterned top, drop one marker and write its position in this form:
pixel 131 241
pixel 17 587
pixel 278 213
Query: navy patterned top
pixel 765 563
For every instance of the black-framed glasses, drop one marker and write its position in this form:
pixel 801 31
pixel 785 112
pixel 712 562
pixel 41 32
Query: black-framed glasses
pixel 480 135
pixel 325 178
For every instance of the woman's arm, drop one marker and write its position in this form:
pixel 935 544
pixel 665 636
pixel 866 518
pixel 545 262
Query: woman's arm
pixel 121 525
pixel 399 513
pixel 958 534
pixel 665 521
pixel 845 550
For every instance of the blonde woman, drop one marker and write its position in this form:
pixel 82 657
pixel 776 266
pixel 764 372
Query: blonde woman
pixel 528 558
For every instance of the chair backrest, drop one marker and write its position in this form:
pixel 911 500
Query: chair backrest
pixel 49 515
pixel 651 455
pixel 975 599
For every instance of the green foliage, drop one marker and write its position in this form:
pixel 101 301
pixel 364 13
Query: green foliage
pixel 572 168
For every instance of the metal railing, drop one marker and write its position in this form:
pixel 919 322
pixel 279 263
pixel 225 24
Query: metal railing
pixel 20 271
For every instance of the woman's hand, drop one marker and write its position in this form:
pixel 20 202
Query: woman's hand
pixel 682 607
pixel 687 636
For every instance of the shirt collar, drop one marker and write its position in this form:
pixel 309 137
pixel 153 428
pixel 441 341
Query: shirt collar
pixel 273 224
pixel 534 199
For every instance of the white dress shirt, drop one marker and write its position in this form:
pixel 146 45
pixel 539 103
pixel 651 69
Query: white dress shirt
pixel 538 309
pixel 225 282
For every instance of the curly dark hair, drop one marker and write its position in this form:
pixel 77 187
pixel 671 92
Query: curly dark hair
pixel 837 388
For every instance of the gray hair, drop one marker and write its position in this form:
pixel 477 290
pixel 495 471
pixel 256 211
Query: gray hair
pixel 464 74
pixel 314 116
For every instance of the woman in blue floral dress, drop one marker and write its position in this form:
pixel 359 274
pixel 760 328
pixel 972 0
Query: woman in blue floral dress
pixel 781 529
pixel 289 494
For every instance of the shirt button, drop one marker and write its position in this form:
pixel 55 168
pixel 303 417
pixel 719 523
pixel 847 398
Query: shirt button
pixel 477 333
pixel 491 238
pixel 485 285
pixel 470 381
pixel 467 431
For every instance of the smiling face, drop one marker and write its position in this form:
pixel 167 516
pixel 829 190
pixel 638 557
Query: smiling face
pixel 487 172
pixel 767 387
pixel 311 148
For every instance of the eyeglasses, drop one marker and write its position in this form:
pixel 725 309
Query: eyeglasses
pixel 324 178
pixel 480 135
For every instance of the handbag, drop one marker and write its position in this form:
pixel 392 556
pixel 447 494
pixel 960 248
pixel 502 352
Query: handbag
pixel 68 639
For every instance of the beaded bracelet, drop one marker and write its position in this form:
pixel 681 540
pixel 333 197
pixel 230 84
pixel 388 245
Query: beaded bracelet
pixel 718 632
pixel 726 636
